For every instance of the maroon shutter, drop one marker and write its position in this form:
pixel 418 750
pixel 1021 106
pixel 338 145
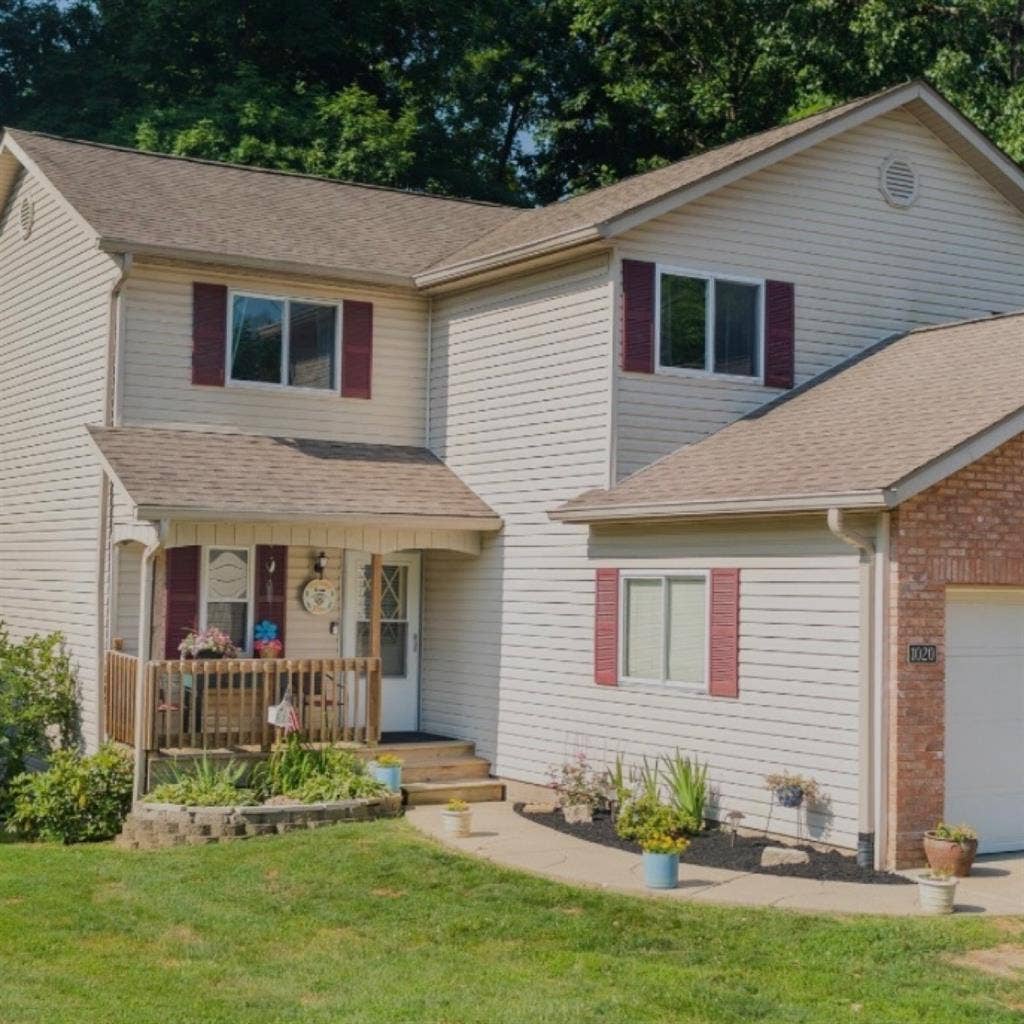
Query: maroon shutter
pixel 779 334
pixel 209 333
pixel 270 586
pixel 606 628
pixel 356 349
pixel 638 316
pixel 724 675
pixel 181 582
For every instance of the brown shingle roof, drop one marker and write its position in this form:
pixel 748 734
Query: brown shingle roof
pixel 240 475
pixel 203 207
pixel 859 430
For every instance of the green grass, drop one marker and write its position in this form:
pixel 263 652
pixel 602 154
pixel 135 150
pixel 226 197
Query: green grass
pixel 372 923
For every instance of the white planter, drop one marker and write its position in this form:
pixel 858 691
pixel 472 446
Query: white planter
pixel 456 823
pixel 935 895
pixel 578 814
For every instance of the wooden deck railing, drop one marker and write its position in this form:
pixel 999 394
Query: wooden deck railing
pixel 119 675
pixel 212 704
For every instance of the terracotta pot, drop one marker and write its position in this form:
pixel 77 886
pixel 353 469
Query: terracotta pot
pixel 947 855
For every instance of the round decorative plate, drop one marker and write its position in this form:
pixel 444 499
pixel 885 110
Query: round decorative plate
pixel 319 597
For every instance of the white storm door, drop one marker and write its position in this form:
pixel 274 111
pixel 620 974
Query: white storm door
pixel 399 628
pixel 985 715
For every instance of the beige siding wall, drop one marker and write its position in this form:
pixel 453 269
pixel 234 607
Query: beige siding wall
pixel 157 386
pixel 125 595
pixel 309 636
pixel 862 269
pixel 520 392
pixel 54 289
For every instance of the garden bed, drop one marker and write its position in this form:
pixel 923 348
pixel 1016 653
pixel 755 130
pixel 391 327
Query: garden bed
pixel 719 848
pixel 154 826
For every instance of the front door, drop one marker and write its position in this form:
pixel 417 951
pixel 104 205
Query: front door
pixel 399 628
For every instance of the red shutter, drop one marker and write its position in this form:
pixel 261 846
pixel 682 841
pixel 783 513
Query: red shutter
pixel 638 316
pixel 356 349
pixel 181 582
pixel 270 586
pixel 724 675
pixel 209 333
pixel 606 628
pixel 779 334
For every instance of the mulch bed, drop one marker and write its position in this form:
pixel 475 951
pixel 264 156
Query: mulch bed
pixel 718 848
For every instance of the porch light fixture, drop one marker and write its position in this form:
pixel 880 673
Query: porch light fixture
pixel 320 565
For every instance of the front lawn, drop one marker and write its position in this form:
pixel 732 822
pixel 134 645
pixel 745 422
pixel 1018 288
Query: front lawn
pixel 372 923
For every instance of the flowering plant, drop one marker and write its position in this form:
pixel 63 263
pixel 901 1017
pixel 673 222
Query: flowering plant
pixel 209 643
pixel 268 648
pixel 664 842
pixel 576 782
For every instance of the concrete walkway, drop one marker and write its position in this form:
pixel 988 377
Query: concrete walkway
pixel 504 837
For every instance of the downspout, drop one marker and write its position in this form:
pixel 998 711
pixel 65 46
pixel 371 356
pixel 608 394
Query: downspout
pixel 110 387
pixel 143 645
pixel 867 752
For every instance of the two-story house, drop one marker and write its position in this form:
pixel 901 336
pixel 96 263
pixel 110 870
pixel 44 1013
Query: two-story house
pixel 705 460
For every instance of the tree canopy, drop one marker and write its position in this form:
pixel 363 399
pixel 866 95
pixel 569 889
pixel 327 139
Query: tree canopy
pixel 519 101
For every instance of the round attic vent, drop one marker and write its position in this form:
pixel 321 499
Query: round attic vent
pixel 898 181
pixel 27 216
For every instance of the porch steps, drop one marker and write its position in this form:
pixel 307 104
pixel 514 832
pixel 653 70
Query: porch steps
pixel 436 771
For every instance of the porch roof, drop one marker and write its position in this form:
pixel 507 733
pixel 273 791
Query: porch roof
pixel 186 474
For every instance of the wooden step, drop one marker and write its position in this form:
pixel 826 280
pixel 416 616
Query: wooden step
pixel 471 790
pixel 449 770
pixel 423 753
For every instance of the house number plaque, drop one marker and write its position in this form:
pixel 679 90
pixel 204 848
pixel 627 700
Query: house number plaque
pixel 922 654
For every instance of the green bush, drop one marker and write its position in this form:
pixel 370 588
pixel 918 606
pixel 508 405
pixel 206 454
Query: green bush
pixel 205 784
pixel 313 775
pixel 38 703
pixel 645 816
pixel 77 800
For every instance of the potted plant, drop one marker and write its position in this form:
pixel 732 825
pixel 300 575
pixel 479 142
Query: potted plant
pixel 791 790
pixel 936 890
pixel 951 848
pixel 661 852
pixel 208 644
pixel 267 643
pixel 387 770
pixel 580 789
pixel 456 819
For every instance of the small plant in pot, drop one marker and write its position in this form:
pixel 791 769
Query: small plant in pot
pixel 456 819
pixel 792 790
pixel 936 890
pixel 661 852
pixel 951 848
pixel 580 789
pixel 206 644
pixel 387 770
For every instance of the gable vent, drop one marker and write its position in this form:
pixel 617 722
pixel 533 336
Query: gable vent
pixel 27 216
pixel 898 182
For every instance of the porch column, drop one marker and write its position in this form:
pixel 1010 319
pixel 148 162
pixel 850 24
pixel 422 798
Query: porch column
pixel 141 696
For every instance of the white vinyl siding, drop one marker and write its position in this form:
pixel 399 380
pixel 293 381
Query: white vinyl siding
pixel 157 385
pixel 862 269
pixel 54 298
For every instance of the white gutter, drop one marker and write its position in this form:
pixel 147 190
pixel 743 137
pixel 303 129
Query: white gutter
pixel 866 809
pixel 376 520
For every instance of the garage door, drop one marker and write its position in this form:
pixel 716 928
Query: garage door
pixel 985 715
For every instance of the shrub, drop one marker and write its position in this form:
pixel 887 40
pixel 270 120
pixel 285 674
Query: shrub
pixel 687 783
pixel 339 786
pixel 576 782
pixel 645 816
pixel 78 799
pixel 38 703
pixel 311 775
pixel 205 784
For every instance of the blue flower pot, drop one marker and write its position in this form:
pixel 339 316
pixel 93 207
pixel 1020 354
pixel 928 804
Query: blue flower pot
pixel 789 796
pixel 389 775
pixel 661 870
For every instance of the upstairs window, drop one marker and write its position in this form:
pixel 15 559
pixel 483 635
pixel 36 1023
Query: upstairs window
pixel 284 342
pixel 709 325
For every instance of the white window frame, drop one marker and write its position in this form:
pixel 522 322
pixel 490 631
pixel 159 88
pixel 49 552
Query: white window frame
pixel 204 568
pixel 700 686
pixel 286 301
pixel 710 278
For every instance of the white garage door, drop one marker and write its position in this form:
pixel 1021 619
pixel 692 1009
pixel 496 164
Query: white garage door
pixel 985 715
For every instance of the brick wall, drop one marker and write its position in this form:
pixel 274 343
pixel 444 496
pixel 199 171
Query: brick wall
pixel 966 530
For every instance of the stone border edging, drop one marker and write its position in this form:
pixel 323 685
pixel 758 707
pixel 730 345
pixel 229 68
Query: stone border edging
pixel 155 826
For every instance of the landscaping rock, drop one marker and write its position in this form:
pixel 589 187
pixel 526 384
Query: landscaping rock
pixel 539 808
pixel 773 856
